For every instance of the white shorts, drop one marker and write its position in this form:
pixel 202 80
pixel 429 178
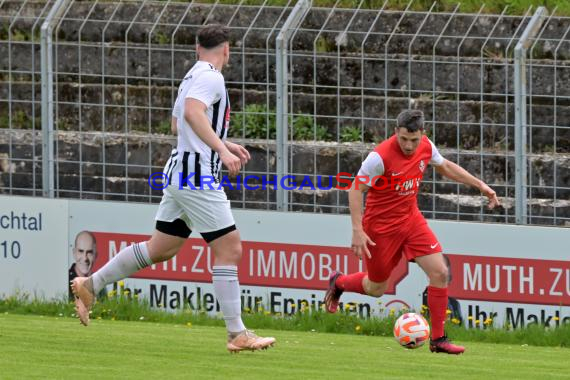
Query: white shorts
pixel 201 210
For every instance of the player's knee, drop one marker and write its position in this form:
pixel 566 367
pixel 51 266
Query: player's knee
pixel 234 254
pixel 376 292
pixel 439 276
pixel 229 254
pixel 375 289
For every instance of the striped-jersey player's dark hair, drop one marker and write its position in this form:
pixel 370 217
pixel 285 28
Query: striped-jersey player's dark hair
pixel 412 120
pixel 212 35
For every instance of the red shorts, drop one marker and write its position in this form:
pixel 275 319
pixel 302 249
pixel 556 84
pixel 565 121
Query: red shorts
pixel 413 239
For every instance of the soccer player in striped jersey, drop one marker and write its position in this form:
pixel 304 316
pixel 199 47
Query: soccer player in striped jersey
pixel 200 118
pixel 393 226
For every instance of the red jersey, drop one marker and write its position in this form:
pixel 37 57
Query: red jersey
pixel 393 198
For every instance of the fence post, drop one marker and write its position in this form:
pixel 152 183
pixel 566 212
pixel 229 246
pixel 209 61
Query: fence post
pixel 48 180
pixel 282 78
pixel 520 114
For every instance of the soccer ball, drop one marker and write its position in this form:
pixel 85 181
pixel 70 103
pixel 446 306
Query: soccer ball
pixel 411 330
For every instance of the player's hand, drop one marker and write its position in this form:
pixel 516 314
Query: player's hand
pixel 491 195
pixel 239 151
pixel 231 162
pixel 360 243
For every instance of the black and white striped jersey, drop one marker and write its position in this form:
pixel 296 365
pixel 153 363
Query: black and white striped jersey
pixel 206 84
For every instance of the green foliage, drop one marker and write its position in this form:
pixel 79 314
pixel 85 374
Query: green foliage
pixel 20 120
pixel 257 122
pixel 20 35
pixel 350 133
pixel 163 128
pixel 303 128
pixel 122 305
pixel 323 45
pixel 514 7
pixel 161 38
pixel 254 122
pixel 63 124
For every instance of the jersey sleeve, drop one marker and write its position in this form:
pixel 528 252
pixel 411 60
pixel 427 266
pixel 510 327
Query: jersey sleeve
pixel 436 157
pixel 177 104
pixel 208 88
pixel 371 167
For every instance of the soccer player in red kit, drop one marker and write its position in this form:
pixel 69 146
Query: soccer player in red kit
pixel 393 225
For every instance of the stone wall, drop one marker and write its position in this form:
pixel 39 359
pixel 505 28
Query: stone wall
pixel 116 82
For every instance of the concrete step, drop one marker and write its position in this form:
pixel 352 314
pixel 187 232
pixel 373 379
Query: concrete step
pixel 481 123
pixel 104 155
pixel 254 26
pixel 136 65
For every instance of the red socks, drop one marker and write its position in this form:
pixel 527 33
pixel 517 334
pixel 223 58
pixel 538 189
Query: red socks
pixel 351 282
pixel 437 303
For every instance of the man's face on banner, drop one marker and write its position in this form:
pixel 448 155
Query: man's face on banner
pixel 84 253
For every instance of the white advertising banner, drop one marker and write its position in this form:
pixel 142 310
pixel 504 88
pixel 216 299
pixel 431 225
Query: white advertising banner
pixel 511 274
pixel 33 246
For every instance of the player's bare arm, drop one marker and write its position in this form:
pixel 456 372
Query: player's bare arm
pixel 360 240
pixel 195 114
pixel 239 151
pixel 455 172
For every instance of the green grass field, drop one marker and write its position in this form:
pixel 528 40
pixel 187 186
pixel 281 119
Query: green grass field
pixel 50 347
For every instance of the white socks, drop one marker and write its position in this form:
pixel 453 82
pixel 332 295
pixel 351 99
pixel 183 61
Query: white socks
pixel 135 257
pixel 128 261
pixel 226 289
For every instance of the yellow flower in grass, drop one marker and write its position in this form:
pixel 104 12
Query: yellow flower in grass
pixel 126 293
pixel 111 294
pixel 392 312
pixel 246 309
pixel 470 318
pixel 447 312
pixel 455 321
pixel 189 324
pixel 555 318
pixel 358 328
pixel 266 312
pixel 121 284
pixel 477 321
pixel 488 321
pixel 293 306
pixel 424 307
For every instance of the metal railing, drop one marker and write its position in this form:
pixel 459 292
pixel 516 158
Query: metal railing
pixel 312 90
